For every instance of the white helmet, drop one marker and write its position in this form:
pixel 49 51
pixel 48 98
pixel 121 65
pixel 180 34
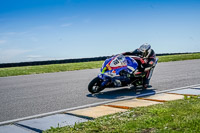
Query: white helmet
pixel 145 49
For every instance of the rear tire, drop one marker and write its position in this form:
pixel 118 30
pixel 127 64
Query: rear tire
pixel 94 85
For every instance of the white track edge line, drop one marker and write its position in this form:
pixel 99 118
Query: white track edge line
pixel 90 105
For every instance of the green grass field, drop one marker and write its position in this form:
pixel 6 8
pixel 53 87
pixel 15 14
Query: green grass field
pixel 181 116
pixel 14 71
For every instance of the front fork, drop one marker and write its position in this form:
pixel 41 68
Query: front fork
pixel 105 80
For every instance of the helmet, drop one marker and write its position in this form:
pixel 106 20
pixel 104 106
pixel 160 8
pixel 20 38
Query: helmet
pixel 145 49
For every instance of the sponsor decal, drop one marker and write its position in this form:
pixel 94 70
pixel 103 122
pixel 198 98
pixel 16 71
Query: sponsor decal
pixel 108 66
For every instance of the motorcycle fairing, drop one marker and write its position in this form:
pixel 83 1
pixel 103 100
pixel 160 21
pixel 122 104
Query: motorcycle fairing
pixel 110 70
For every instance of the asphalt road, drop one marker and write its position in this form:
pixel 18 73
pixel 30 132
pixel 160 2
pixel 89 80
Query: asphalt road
pixel 22 96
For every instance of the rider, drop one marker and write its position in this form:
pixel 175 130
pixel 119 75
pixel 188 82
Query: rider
pixel 147 60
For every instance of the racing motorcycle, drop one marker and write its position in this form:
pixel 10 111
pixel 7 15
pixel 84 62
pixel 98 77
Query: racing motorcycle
pixel 115 72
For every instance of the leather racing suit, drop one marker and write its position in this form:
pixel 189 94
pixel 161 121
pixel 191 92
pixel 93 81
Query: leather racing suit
pixel 145 64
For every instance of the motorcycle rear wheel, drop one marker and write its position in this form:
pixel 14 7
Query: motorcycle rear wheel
pixel 95 85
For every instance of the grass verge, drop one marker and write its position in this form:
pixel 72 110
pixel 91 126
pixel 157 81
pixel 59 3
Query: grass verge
pixel 14 71
pixel 175 116
pixel 27 70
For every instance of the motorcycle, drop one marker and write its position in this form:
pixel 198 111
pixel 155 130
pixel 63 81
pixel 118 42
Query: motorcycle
pixel 115 72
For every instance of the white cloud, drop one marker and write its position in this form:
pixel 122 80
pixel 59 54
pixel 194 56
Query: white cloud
pixel 39 58
pixel 12 55
pixel 2 41
pixel 34 57
pixel 66 25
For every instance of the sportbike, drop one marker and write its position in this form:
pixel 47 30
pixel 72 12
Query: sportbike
pixel 115 72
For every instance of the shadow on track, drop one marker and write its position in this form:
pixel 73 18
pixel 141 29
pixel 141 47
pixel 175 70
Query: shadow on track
pixel 121 93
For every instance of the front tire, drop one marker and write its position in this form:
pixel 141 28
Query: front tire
pixel 95 85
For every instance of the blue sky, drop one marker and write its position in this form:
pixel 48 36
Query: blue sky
pixel 32 30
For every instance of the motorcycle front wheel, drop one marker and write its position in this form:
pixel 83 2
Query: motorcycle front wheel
pixel 95 85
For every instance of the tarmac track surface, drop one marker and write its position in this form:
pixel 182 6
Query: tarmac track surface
pixel 22 96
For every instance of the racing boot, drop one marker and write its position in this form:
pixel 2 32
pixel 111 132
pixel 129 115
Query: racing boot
pixel 146 83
